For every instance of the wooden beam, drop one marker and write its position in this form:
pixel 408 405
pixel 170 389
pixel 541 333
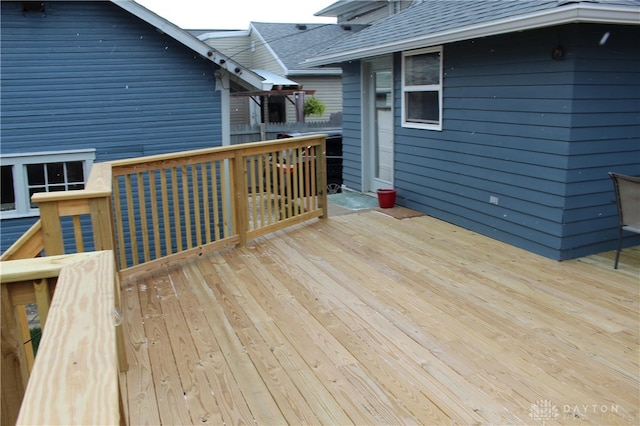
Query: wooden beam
pixel 52 229
pixel 33 269
pixel 77 356
pixel 240 193
pixel 29 245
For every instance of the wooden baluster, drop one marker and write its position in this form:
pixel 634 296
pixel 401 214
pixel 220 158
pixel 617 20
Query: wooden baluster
pixel 133 239
pixel 154 214
pixel 268 184
pixel 196 203
pixel 43 299
pixel 260 204
pixel 144 226
pixel 122 254
pixel 206 200
pixel 165 212
pixel 186 206
pixel 177 222
pixel 216 197
pixel 77 233
pixel 254 198
pixel 25 332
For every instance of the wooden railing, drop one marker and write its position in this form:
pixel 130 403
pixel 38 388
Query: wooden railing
pixel 172 207
pixel 158 210
pixel 75 377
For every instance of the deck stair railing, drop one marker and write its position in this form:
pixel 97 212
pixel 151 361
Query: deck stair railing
pixel 154 211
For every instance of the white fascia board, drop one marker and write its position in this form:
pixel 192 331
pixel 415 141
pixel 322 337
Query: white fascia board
pixel 576 13
pixel 193 43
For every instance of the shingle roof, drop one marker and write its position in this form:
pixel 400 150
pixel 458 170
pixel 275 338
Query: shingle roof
pixel 433 17
pixel 293 43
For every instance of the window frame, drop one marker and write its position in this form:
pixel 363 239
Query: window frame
pixel 422 88
pixel 19 164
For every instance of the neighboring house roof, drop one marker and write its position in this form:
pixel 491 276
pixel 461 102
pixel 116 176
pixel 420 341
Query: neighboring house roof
pixel 436 22
pixel 235 69
pixel 360 11
pixel 291 44
pixel 351 7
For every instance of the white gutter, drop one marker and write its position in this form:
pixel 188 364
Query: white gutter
pixel 198 46
pixel 575 13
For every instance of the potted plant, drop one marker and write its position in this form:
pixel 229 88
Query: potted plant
pixel 386 198
pixel 313 106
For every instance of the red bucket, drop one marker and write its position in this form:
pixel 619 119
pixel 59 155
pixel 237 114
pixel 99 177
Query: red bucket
pixel 386 198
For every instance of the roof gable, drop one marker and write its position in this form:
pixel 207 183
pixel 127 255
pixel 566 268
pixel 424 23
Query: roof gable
pixel 436 22
pixel 293 43
pixel 236 70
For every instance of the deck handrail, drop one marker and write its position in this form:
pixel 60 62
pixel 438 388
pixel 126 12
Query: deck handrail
pixel 75 376
pixel 172 207
pixel 157 210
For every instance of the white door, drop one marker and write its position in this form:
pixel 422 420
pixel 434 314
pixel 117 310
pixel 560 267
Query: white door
pixel 378 124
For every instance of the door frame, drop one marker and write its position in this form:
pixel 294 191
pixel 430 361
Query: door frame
pixel 370 183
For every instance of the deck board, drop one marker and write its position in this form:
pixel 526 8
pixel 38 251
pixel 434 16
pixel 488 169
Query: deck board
pixel 368 319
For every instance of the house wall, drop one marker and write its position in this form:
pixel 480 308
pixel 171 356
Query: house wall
pixel 605 134
pixel 352 125
pixel 262 56
pixel 328 90
pixel 236 47
pixel 91 75
pixel 526 129
pixel 369 12
pixel 239 48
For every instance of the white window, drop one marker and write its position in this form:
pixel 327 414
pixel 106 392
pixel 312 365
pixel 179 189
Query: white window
pixel 422 89
pixel 25 174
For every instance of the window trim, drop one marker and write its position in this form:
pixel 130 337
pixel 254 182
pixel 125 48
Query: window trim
pixel 19 162
pixel 423 88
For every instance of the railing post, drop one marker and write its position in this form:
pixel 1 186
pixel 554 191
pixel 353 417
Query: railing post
pixel 102 223
pixel 104 239
pixel 321 170
pixel 241 196
pixel 14 363
pixel 52 239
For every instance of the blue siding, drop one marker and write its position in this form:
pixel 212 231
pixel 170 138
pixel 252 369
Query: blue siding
pixel 91 75
pixel 506 132
pixel 605 134
pixel 537 133
pixel 352 126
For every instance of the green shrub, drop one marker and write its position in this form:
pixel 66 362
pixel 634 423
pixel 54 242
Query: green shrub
pixel 313 106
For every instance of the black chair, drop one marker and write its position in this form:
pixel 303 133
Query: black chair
pixel 628 200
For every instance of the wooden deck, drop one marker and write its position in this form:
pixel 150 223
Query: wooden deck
pixel 367 319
